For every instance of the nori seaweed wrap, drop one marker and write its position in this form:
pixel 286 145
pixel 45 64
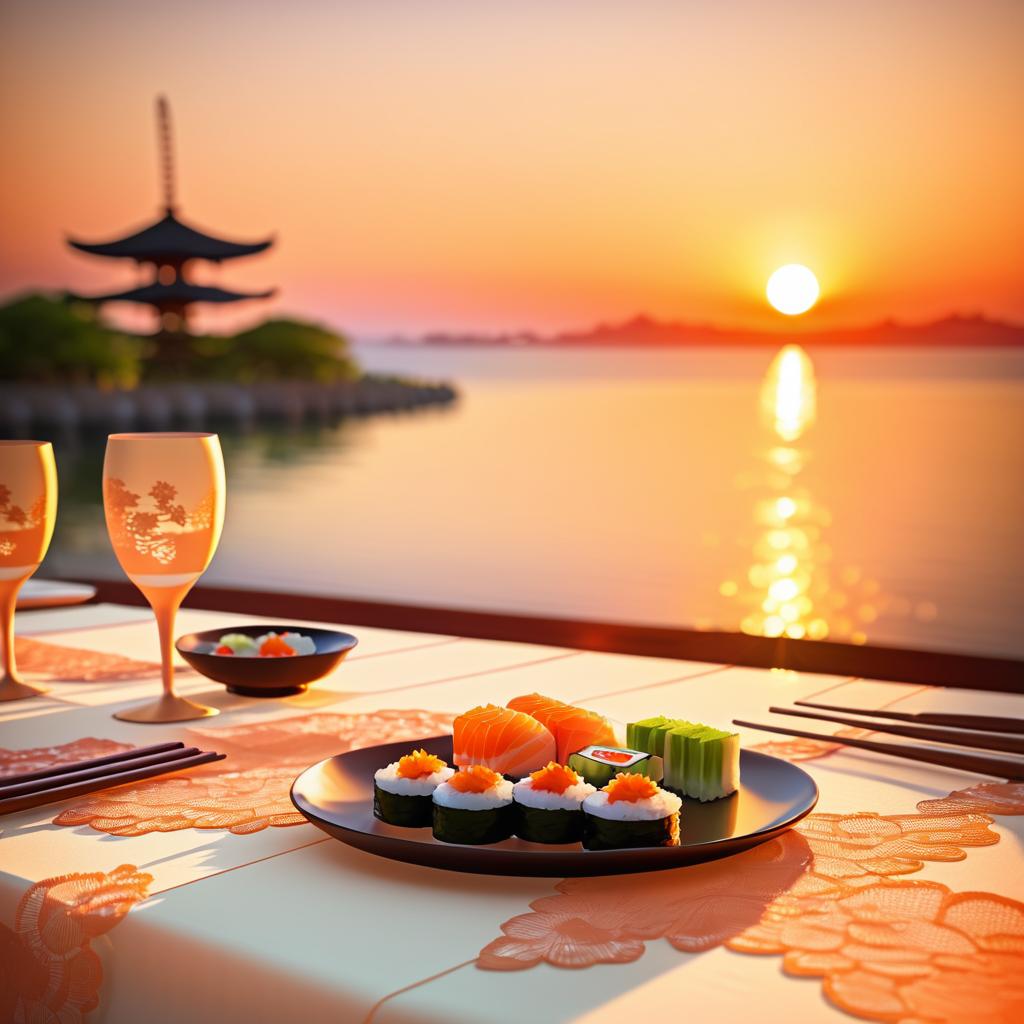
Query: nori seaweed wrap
pixel 474 807
pixel 631 811
pixel 403 791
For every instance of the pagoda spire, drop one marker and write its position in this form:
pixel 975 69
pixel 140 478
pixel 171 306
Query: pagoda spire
pixel 165 148
pixel 171 246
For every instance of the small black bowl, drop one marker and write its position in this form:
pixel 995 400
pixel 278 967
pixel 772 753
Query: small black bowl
pixel 267 677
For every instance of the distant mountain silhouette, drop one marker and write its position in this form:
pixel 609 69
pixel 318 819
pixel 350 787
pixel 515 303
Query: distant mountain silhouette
pixel 643 331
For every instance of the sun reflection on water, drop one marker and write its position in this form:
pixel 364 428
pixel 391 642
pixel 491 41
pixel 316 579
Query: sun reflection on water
pixel 788 589
pixel 789 393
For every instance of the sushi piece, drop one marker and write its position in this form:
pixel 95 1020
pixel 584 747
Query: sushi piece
pixel 599 765
pixel 705 762
pixel 632 810
pixel 699 761
pixel 509 742
pixel 720 764
pixel 573 728
pixel 403 791
pixel 473 807
pixel 548 805
pixel 649 734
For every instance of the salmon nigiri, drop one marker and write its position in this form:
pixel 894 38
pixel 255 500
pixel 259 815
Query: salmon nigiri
pixel 503 739
pixel 574 728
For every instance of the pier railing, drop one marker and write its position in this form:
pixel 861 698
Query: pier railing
pixel 720 647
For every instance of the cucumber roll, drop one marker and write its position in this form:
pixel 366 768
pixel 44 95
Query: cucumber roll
pixel 699 762
pixel 548 805
pixel 403 791
pixel 631 811
pixel 473 807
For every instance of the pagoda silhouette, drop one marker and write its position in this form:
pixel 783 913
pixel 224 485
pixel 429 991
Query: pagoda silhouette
pixel 169 245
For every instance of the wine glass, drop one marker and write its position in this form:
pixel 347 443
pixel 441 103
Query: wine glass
pixel 28 510
pixel 163 496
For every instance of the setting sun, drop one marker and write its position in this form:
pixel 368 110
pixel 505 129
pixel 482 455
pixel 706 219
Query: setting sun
pixel 792 289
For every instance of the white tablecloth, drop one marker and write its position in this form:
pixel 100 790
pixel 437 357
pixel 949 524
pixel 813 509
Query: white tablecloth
pixel 287 924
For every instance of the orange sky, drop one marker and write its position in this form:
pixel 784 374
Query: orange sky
pixel 543 163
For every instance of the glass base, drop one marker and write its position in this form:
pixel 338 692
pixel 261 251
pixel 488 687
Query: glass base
pixel 167 709
pixel 15 689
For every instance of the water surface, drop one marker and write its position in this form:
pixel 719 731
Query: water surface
pixel 861 496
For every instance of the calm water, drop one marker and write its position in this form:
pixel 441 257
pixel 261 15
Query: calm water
pixel 868 497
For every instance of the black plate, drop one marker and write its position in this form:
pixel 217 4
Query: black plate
pixel 267 677
pixel 336 795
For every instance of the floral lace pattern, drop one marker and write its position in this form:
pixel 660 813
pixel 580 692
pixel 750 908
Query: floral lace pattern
pixel 251 793
pixel 607 920
pixel 48 972
pixel 827 898
pixel 56 663
pixel 33 759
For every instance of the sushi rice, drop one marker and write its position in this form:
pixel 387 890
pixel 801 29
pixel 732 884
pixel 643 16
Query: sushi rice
pixel 543 799
pixel 390 781
pixel 498 796
pixel 661 805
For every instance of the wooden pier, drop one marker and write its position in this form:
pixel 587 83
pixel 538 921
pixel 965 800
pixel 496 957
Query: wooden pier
pixel 196 405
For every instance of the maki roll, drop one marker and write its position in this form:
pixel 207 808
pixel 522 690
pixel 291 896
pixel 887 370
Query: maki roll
pixel 632 810
pixel 547 805
pixel 473 807
pixel 403 791
pixel 599 765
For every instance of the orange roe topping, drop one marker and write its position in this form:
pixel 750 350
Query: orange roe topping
pixel 474 778
pixel 629 788
pixel 417 764
pixel 275 647
pixel 554 778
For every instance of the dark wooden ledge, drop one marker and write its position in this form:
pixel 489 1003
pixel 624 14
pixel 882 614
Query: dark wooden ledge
pixel 940 669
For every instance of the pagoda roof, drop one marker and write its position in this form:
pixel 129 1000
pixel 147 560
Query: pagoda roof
pixel 178 292
pixel 170 240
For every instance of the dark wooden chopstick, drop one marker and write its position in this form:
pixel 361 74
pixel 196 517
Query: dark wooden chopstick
pixel 100 772
pixel 125 774
pixel 961 737
pixel 96 762
pixel 980 764
pixel 989 723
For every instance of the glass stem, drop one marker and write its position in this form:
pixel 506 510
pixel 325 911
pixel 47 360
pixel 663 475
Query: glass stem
pixel 8 599
pixel 165 602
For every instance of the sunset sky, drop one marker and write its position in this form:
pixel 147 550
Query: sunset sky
pixel 531 164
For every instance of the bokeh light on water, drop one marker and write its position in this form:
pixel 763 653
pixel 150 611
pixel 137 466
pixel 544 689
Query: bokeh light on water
pixel 790 588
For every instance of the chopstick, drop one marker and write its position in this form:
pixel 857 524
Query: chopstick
pixel 989 723
pixel 116 775
pixel 86 774
pixel 962 737
pixel 978 763
pixel 96 762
